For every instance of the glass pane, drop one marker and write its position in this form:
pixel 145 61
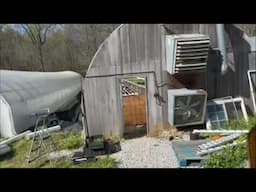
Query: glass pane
pixel 221 116
pixel 215 125
pixel 212 116
pixel 219 107
pixel 222 123
pixel 239 109
pixel 211 108
pixel 231 110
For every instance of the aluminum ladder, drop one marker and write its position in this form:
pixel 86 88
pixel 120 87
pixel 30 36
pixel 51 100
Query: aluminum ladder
pixel 42 143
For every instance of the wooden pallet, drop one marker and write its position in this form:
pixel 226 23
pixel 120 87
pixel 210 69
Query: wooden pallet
pixel 186 152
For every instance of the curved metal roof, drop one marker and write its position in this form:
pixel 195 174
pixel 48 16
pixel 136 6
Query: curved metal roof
pixel 29 92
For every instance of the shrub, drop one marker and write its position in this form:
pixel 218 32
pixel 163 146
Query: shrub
pixel 229 157
pixel 232 157
pixel 241 124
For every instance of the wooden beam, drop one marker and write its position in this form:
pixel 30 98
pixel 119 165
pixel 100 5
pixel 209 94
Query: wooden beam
pixel 252 148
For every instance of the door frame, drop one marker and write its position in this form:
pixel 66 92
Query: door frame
pixel 121 100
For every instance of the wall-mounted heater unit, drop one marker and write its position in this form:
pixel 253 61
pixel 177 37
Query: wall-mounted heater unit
pixel 186 107
pixel 187 53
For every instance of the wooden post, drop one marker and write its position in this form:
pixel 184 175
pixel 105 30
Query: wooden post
pixel 252 147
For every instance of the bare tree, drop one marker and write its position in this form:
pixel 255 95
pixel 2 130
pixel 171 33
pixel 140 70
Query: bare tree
pixel 48 47
pixel 38 36
pixel 250 29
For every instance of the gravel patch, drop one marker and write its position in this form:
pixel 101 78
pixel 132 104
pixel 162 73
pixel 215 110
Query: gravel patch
pixel 146 152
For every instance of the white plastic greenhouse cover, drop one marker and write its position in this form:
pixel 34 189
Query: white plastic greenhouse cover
pixel 25 93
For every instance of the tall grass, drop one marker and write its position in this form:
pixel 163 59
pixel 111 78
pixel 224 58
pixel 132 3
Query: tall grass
pixel 236 156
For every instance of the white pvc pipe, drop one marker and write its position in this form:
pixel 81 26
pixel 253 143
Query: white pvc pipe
pixel 220 131
pixel 15 138
pixel 48 130
pixel 4 149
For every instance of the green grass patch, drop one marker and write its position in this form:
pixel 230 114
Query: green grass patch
pixel 68 140
pixel 236 156
pixel 103 162
pixel 136 80
pixel 16 158
pixel 241 124
pixel 230 157
pixel 64 140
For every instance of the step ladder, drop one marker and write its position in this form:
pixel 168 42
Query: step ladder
pixel 42 143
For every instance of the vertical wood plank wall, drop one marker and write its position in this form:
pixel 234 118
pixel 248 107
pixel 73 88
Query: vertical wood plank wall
pixel 129 49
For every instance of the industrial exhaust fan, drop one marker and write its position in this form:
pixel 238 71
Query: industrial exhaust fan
pixel 186 107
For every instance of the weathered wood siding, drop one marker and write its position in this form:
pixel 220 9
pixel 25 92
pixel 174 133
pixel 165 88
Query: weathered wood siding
pixel 129 50
pixel 139 49
pixel 240 59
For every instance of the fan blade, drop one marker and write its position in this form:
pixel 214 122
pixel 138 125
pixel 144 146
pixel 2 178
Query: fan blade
pixel 194 113
pixel 186 115
pixel 179 112
pixel 188 100
pixel 180 104
pixel 195 104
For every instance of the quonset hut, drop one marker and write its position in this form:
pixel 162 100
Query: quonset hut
pixel 141 50
pixel 23 94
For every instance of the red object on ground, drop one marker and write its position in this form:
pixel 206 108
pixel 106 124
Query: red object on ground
pixel 216 137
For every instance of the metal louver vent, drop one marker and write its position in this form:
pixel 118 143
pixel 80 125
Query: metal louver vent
pixel 187 52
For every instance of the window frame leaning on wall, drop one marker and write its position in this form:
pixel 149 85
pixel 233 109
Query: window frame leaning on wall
pixel 223 101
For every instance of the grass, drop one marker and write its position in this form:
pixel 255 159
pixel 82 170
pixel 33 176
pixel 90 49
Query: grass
pixel 232 157
pixel 68 140
pixel 64 140
pixel 241 124
pixel 16 158
pixel 136 80
pixel 104 162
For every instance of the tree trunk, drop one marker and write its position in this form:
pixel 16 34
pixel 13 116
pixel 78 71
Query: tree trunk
pixel 41 58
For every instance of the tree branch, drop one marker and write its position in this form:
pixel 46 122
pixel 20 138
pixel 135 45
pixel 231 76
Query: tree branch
pixel 45 33
pixel 30 33
pixel 39 29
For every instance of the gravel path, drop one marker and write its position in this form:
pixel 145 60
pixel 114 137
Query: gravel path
pixel 146 152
